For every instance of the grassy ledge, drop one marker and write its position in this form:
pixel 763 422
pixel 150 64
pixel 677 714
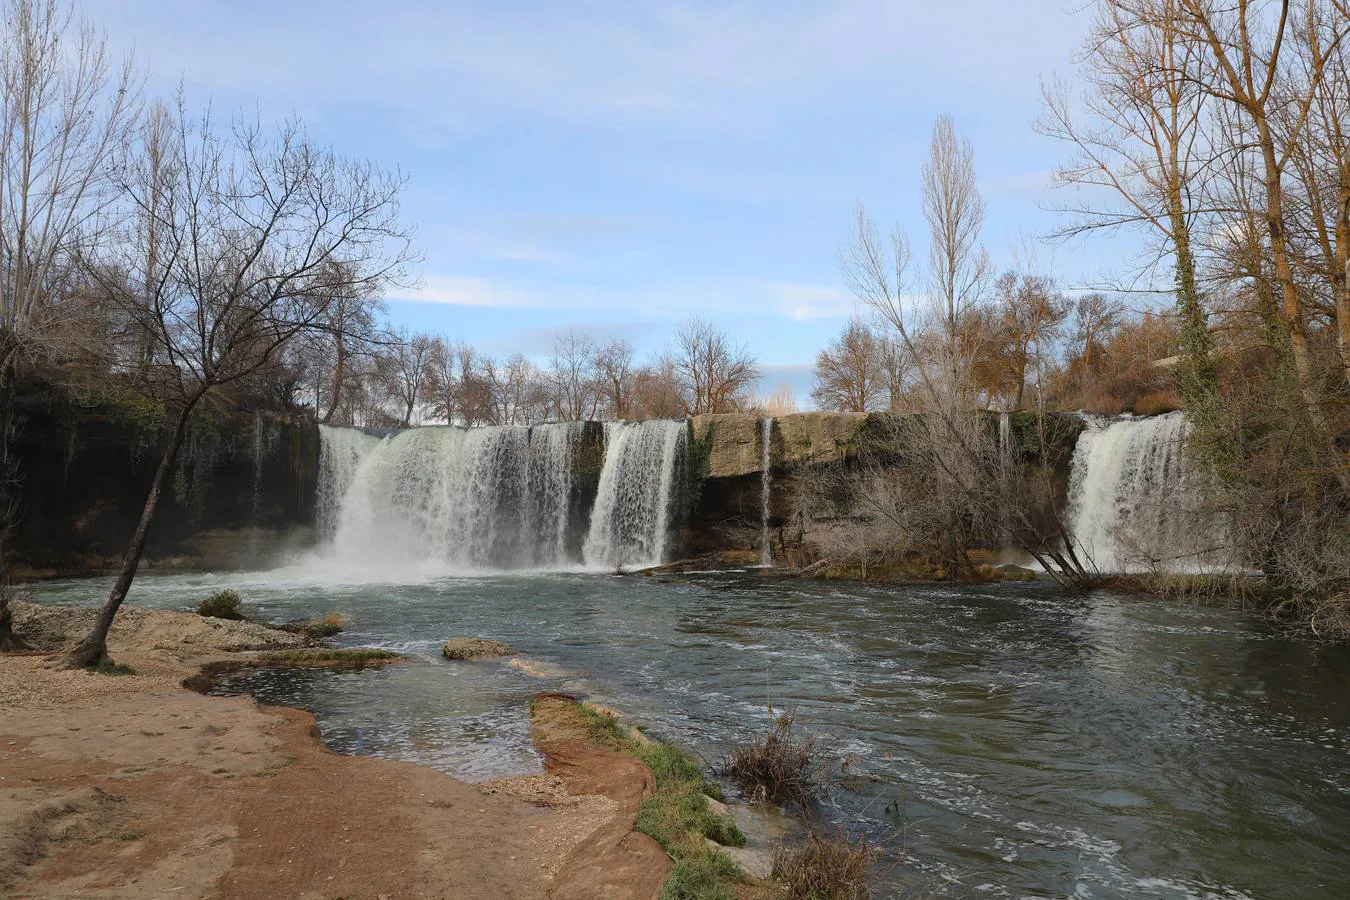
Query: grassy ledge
pixel 678 816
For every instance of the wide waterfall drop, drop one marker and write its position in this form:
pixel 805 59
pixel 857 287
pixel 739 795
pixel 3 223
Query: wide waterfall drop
pixel 765 488
pixel 1134 504
pixel 639 490
pixel 449 498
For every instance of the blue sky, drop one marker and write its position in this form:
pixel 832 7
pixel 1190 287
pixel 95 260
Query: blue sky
pixel 616 166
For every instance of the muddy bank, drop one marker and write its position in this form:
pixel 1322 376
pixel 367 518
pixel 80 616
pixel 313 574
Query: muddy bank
pixel 131 786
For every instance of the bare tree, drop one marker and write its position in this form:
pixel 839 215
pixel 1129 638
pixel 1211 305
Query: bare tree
pixel 519 393
pixel 353 332
pixel 65 108
pixel 405 369
pixel 851 373
pixel 1095 318
pixel 713 373
pixel 963 487
pixel 1143 150
pixel 958 266
pixel 1246 42
pixel 614 374
pixel 1030 311
pixel 572 377
pixel 657 393
pixel 250 229
pixel 1320 216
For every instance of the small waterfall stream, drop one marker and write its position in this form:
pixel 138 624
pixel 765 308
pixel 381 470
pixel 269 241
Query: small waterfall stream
pixel 1134 504
pixel 766 487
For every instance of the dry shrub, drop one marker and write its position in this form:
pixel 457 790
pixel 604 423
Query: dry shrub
pixel 782 766
pixel 827 867
pixel 1157 403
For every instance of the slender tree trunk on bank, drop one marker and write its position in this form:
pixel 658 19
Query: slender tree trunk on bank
pixel 93 649
pixel 1342 289
pixel 339 373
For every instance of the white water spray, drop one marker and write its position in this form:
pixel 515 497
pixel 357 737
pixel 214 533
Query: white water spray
pixel 635 503
pixel 462 499
pixel 1134 505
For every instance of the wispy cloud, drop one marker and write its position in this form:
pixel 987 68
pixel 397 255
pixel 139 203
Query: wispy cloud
pixel 805 302
pixel 466 291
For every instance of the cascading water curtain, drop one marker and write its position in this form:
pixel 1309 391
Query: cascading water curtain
pixel 640 487
pixel 1136 506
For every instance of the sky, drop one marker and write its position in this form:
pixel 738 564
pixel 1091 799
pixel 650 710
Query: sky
pixel 615 167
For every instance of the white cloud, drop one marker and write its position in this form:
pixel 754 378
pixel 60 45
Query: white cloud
pixel 798 302
pixel 805 302
pixel 460 290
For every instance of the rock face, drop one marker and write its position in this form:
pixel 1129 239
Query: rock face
pixel 731 443
pixel 242 489
pixel 818 437
pixel 735 447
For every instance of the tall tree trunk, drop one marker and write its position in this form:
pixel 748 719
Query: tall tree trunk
pixel 93 649
pixel 1291 307
pixel 339 373
pixel 1341 278
pixel 1199 381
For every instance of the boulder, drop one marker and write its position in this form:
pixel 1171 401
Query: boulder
pixel 475 648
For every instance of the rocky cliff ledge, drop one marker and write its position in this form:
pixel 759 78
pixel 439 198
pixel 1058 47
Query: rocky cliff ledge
pixel 735 447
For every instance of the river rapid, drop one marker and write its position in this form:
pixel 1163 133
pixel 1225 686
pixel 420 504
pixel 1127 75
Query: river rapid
pixel 1001 741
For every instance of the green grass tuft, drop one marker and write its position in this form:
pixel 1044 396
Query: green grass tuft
pixel 709 876
pixel 221 605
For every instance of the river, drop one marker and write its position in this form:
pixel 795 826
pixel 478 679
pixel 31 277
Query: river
pixel 1002 740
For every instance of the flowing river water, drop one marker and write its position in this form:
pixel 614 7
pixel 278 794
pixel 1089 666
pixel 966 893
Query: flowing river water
pixel 1004 741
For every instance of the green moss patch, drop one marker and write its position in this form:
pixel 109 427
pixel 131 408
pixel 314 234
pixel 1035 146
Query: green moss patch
pixel 678 815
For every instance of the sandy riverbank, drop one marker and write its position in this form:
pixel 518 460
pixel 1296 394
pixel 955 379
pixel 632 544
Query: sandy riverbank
pixel 134 786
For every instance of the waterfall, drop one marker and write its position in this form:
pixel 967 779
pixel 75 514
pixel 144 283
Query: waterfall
pixel 638 493
pixel 765 487
pixel 340 454
pixel 1133 503
pixel 463 499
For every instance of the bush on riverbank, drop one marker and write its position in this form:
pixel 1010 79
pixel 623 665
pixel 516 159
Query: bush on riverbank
pixel 221 605
pixel 827 867
pixel 783 766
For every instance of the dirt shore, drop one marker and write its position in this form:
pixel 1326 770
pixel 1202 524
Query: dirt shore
pixel 133 786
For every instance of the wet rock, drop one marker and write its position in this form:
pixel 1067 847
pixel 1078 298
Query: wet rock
pixel 475 648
